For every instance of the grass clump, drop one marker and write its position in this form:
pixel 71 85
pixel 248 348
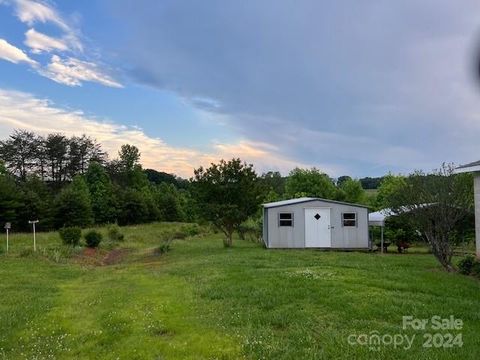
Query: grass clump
pixel 93 238
pixel 114 233
pixel 165 246
pixel 70 235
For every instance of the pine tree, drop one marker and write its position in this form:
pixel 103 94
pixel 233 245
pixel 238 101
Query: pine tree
pixel 104 204
pixel 73 206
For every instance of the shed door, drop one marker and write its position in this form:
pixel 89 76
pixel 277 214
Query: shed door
pixel 317 228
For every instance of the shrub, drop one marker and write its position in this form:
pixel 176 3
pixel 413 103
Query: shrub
pixel 70 235
pixel 476 268
pixel 250 230
pixel 93 238
pixel 114 233
pixel 164 247
pixel 465 265
pixel 191 229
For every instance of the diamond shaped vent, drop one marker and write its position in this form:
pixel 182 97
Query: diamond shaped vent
pixel 317 216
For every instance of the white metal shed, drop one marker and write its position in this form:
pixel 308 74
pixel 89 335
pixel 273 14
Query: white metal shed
pixel 315 223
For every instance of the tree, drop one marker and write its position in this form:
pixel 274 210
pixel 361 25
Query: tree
pixel 227 194
pixel 158 177
pixel 390 185
pixel 273 180
pixel 56 151
pixel 19 153
pixel 104 204
pixel 352 191
pixel 73 206
pixel 133 208
pixel 369 183
pixel 309 182
pixel 129 156
pixel 9 198
pixel 342 179
pixel 36 203
pixel 167 200
pixel 435 204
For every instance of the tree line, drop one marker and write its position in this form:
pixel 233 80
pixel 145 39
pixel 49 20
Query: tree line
pixel 67 181
pixel 71 182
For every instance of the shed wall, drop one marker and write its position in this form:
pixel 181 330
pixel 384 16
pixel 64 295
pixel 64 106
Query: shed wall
pixel 294 237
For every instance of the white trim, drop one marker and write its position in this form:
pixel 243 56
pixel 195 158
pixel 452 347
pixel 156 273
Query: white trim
pixel 461 170
pixel 355 219
pixel 292 218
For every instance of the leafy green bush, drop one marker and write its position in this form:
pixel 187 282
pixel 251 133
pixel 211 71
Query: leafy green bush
pixel 250 230
pixel 114 233
pixel 93 238
pixel 476 268
pixel 70 235
pixel 191 229
pixel 465 265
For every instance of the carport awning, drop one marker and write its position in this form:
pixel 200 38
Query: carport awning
pixel 377 218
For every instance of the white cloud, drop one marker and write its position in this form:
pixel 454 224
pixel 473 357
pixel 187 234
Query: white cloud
pixel 69 71
pixel 39 42
pixel 13 54
pixel 73 72
pixel 31 12
pixel 19 110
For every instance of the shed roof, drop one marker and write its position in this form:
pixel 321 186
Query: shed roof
pixel 470 167
pixel 307 199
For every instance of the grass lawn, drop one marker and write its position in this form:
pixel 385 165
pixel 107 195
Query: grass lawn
pixel 202 301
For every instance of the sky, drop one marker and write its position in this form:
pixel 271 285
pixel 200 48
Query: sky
pixel 358 88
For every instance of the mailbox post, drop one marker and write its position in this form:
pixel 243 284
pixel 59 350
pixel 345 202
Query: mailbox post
pixel 33 222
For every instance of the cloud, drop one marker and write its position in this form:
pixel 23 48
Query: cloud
pixel 70 71
pixel 73 72
pixel 17 109
pixel 13 54
pixel 31 12
pixel 371 86
pixel 39 42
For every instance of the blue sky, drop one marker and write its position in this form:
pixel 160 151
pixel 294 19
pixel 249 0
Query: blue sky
pixel 352 88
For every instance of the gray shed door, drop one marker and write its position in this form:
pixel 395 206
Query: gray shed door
pixel 317 228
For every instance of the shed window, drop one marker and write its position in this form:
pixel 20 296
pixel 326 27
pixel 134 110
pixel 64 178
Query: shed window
pixel 349 219
pixel 285 219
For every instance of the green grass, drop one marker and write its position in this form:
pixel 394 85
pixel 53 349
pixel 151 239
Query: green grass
pixel 202 301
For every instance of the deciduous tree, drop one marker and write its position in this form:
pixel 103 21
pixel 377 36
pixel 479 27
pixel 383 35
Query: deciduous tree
pixel 227 194
pixel 435 204
pixel 309 182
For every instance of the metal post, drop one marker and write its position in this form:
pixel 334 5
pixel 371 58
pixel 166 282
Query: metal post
pixel 7 227
pixel 381 241
pixel 34 240
pixel 33 222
